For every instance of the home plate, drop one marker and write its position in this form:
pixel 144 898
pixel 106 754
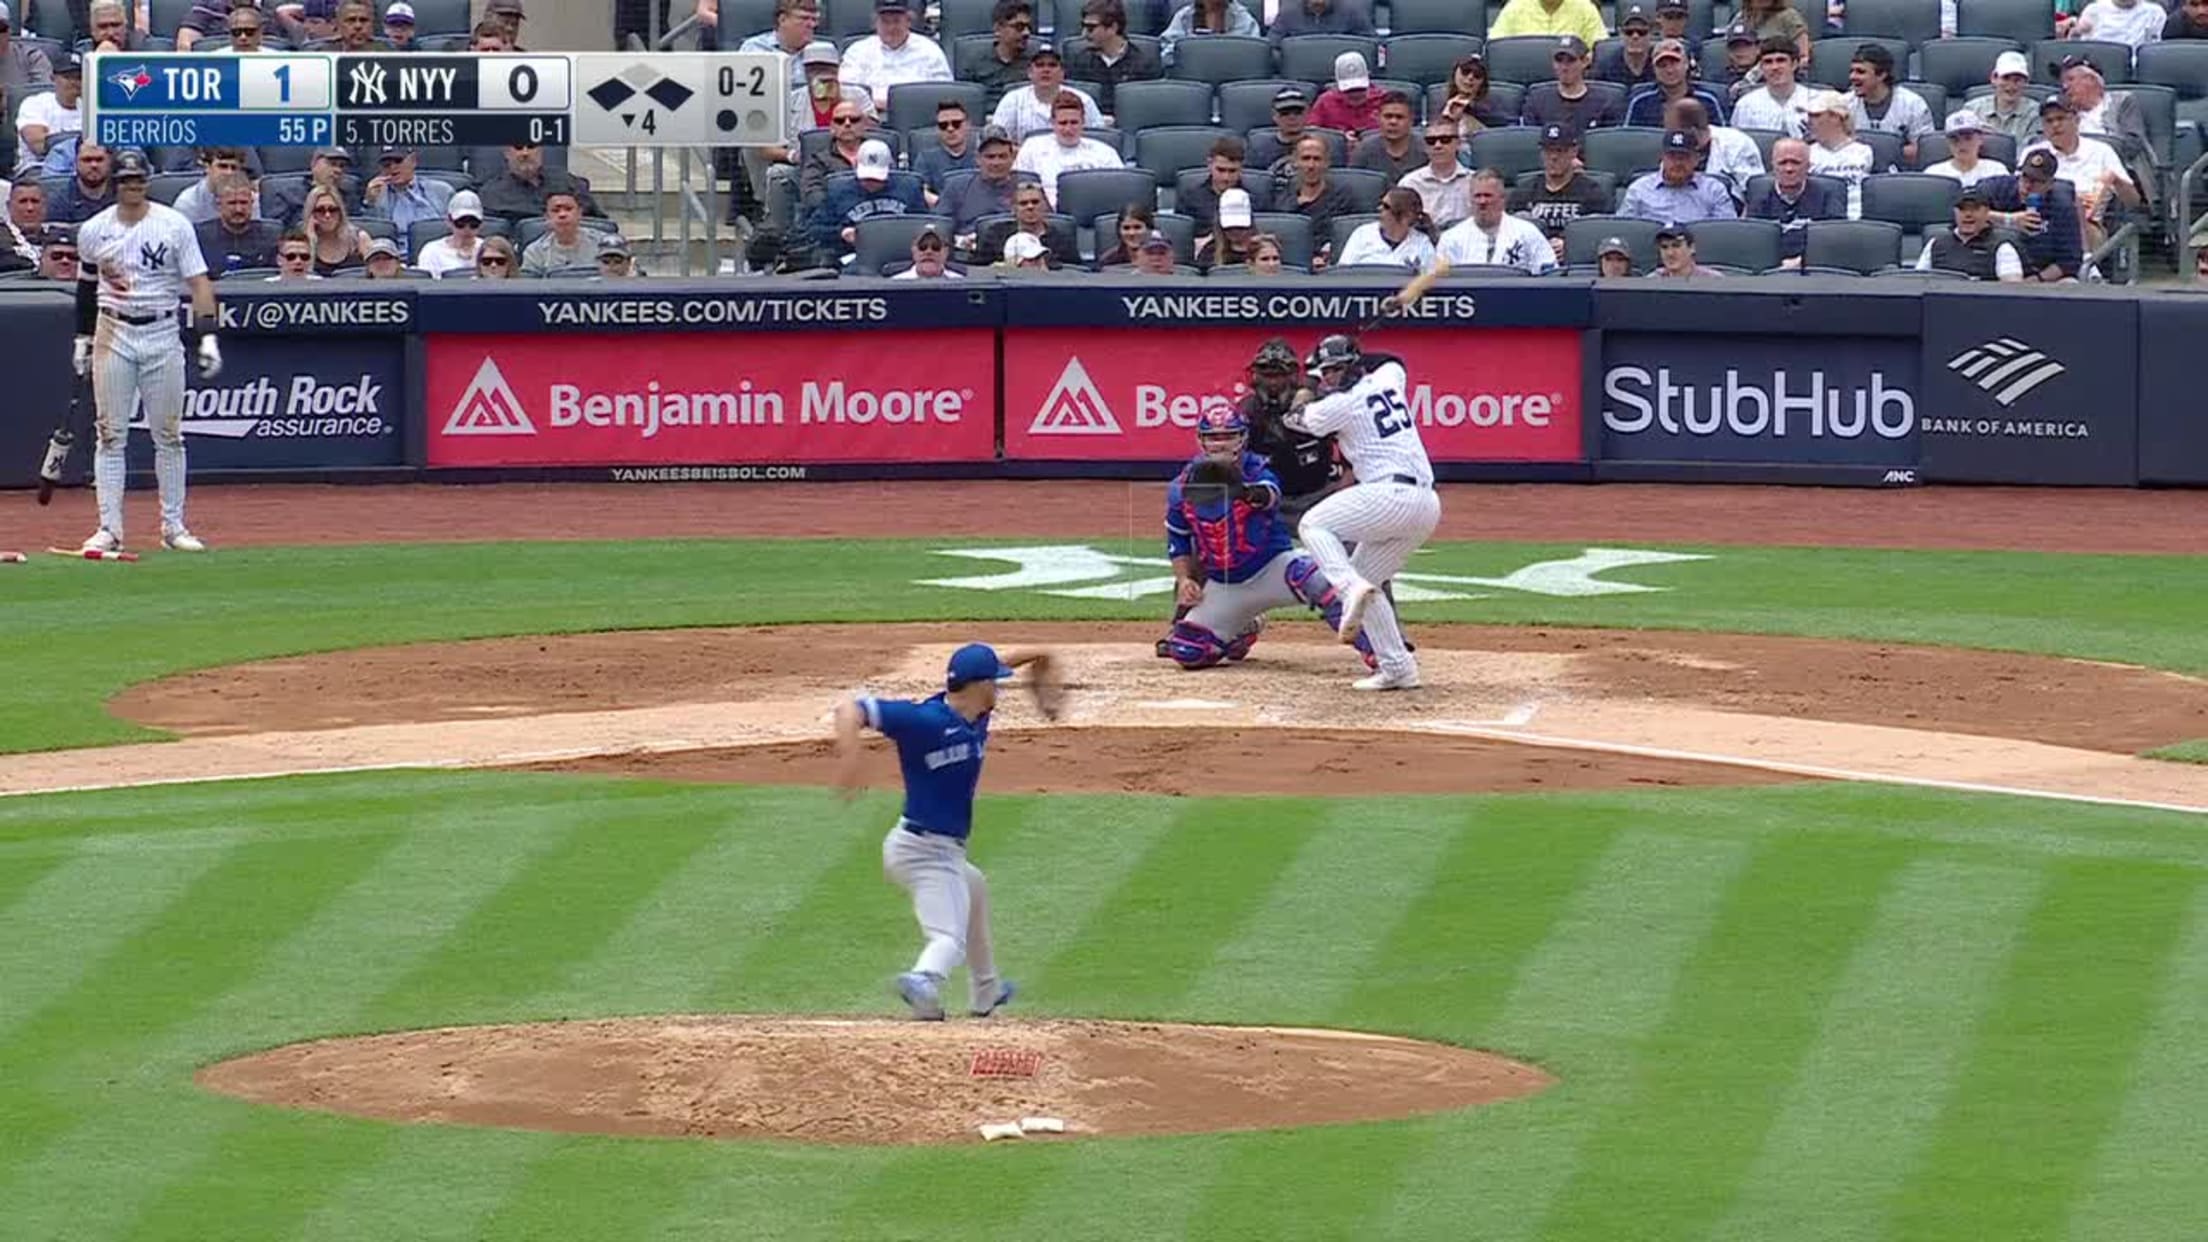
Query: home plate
pixel 1189 705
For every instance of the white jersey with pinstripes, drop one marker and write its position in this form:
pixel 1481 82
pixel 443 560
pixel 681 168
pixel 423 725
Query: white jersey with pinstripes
pixel 1372 424
pixel 141 266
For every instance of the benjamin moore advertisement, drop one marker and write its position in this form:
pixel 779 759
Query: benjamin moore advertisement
pixel 1762 400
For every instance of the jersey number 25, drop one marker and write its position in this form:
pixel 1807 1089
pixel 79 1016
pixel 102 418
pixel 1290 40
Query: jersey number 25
pixel 1388 414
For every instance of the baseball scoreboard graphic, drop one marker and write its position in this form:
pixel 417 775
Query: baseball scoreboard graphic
pixel 314 99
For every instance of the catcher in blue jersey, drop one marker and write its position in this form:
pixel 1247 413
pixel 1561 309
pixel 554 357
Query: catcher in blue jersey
pixel 1233 560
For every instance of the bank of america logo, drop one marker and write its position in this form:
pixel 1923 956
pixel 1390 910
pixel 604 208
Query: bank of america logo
pixel 489 407
pixel 2006 368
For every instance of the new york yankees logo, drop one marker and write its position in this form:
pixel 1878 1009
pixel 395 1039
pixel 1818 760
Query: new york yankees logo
pixel 153 256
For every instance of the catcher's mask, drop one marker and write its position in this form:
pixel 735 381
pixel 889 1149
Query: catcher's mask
pixel 1222 433
pixel 1274 371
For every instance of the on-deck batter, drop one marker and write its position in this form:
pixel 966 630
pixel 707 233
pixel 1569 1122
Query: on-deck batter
pixel 137 259
pixel 1388 513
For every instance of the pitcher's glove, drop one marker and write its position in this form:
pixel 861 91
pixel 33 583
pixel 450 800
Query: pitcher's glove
pixel 1224 475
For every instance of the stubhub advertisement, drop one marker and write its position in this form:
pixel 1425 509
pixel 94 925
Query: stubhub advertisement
pixel 1762 400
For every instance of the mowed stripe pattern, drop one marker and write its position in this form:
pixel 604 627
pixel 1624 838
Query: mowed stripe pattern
pixel 1765 1007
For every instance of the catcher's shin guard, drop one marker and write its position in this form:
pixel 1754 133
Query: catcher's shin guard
pixel 1165 645
pixel 1193 647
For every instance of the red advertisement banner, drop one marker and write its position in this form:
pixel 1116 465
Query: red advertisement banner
pixel 558 400
pixel 1105 394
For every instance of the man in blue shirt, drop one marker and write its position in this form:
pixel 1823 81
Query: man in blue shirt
pixel 1675 193
pixel 940 742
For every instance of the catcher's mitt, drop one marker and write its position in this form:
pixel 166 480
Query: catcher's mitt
pixel 1224 475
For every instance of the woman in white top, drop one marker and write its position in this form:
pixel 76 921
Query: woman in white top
pixel 455 251
pixel 1833 150
pixel 1402 236
pixel 2133 23
pixel 1206 17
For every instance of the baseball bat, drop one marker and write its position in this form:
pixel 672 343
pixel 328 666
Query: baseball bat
pixel 59 444
pixel 14 558
pixel 1412 290
pixel 85 554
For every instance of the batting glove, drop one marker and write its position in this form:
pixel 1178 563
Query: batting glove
pixel 210 358
pixel 81 356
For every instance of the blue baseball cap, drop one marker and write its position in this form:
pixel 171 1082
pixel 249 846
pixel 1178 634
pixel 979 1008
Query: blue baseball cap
pixel 975 662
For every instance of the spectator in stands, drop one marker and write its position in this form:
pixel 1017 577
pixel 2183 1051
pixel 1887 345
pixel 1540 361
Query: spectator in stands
pixel 1228 242
pixel 1155 255
pixel 237 237
pixel 89 193
pixel 1106 56
pixel 2092 168
pixel 384 261
pixel 1569 100
pixel 1630 63
pixel 1394 150
pixel 988 192
pixel 398 27
pixel 1577 18
pixel 1402 236
pixel 47 116
pixel 2043 212
pixel 1313 193
pixel 1743 70
pixel 356 28
pixel 2188 21
pixel 2115 117
pixel 399 194
pixel 1975 248
pixel 1027 112
pixel 489 36
pixel 1321 17
pixel 1352 106
pixel 247 31
pixel 931 254
pixel 565 242
pixel 286 202
pixel 1471 103
pixel 615 262
pixel 1023 252
pixel 877 188
pixel 338 242
pixel 308 22
pixel 1136 222
pixel 2133 23
pixel 1781 103
pixel 1291 116
pixel 1646 108
pixel 848 127
pixel 1268 257
pixel 27 206
pixel 509 14
pixel 1775 19
pixel 456 251
pixel 22 66
pixel 1031 216
pixel 1793 200
pixel 1222 172
pixel 1613 258
pixel 1675 255
pixel 494 259
pixel 792 32
pixel 1206 17
pixel 1876 103
pixel 1726 154
pixel 197 201
pixel 893 54
pixel 1012 23
pixel 2010 110
pixel 1064 149
pixel 522 188
pixel 952 151
pixel 1675 193
pixel 1833 149
pixel 1563 193
pixel 112 30
pixel 204 18
pixel 57 259
pixel 1671 19
pixel 18 250
pixel 1493 238
pixel 295 258
pixel 813 101
pixel 1966 136
pixel 1444 186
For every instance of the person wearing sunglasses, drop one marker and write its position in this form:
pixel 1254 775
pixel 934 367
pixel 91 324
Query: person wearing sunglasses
pixel 456 251
pixel 1004 66
pixel 1444 185
pixel 1105 55
pixel 294 258
pixel 1628 61
pixel 614 260
pixel 58 259
pixel 952 151
pixel 848 130
pixel 216 19
pixel 496 260
pixel 931 258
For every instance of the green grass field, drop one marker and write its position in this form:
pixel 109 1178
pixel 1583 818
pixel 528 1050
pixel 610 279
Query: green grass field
pixel 1803 1012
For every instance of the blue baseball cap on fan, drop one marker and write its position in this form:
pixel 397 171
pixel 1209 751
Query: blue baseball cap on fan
pixel 975 662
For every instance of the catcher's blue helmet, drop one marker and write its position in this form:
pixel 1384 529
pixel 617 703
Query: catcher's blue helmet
pixel 1222 424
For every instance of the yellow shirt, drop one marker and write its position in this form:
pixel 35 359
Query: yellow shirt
pixel 1529 17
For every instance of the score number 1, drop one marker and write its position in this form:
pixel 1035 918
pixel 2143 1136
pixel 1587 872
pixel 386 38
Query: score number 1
pixel 289 84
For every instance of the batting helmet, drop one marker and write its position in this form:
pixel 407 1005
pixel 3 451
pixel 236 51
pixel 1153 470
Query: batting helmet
pixel 1221 431
pixel 1334 351
pixel 130 165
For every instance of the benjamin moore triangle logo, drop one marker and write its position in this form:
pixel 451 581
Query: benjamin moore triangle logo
pixel 489 407
pixel 1074 407
pixel 2007 368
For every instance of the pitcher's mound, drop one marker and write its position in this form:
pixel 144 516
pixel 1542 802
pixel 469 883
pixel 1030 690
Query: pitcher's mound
pixel 873 1081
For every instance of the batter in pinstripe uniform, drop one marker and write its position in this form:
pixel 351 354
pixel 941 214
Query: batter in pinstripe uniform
pixel 138 258
pixel 1390 511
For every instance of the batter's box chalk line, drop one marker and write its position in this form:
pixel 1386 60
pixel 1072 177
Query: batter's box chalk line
pixel 1005 1063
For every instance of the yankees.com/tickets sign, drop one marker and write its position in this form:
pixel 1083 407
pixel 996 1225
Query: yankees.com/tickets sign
pixel 1083 394
pixel 712 400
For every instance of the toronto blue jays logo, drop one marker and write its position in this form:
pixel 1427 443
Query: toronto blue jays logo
pixel 131 80
pixel 153 256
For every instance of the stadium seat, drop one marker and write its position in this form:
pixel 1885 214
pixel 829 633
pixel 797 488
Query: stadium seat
pixel 1860 246
pixel 250 275
pixel 2026 21
pixel 1294 232
pixel 1145 105
pixel 1584 236
pixel 1365 186
pixel 1934 96
pixel 1912 21
pixel 166 17
pixel 2112 59
pixel 1606 182
pixel 374 227
pixel 440 159
pixel 1764 139
pixel 1464 17
pixel 1624 152
pixel 1311 57
pixel 1088 193
pixel 1222 58
pixel 1885 149
pixel 1508 151
pixel 2182 66
pixel 1746 245
pixel 285 160
pixel 845 19
pixel 912 104
pixel 1169 149
pixel 1933 149
pixel 1829 59
pixel 1065 18
pixel 1710 60
pixel 1523 59
pixel 1255 183
pixel 1244 106
pixel 970 17
pixel 1426 58
pixel 1915 201
pixel 1961 63
pixel 1338 231
pixel 430 43
pixel 884 239
pixel 441 17
pixel 164 187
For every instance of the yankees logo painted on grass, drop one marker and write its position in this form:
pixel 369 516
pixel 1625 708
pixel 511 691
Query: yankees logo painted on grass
pixel 1052 569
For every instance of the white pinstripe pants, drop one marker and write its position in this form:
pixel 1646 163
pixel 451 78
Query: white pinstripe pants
pixel 137 365
pixel 1387 521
